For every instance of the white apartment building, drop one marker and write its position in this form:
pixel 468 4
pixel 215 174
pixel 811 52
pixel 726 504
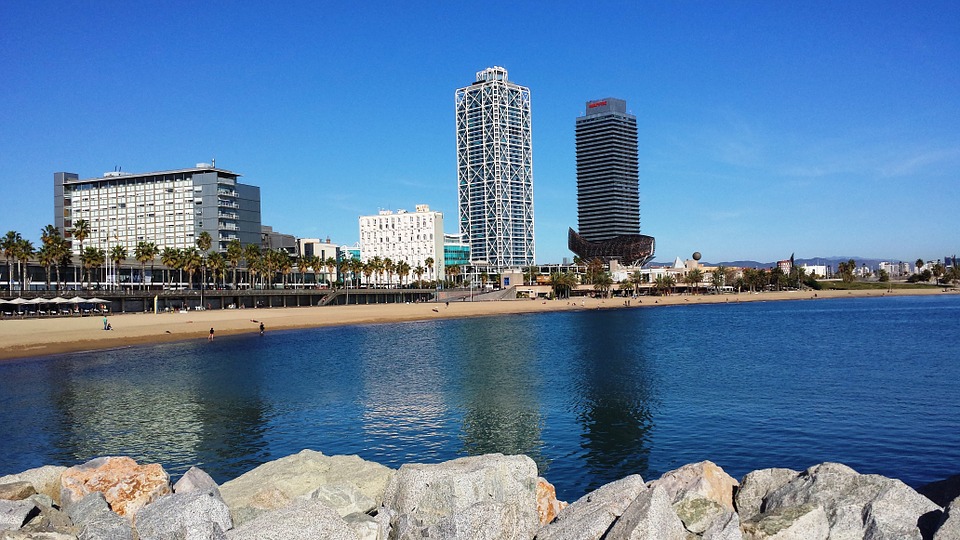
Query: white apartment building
pixel 412 237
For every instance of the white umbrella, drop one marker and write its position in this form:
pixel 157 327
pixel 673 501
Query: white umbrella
pixel 18 301
pixel 58 300
pixel 96 300
pixel 38 301
pixel 2 301
pixel 77 300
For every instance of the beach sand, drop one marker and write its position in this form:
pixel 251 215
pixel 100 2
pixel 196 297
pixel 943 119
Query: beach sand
pixel 38 337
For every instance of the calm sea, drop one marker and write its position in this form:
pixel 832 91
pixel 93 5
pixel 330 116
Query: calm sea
pixel 590 395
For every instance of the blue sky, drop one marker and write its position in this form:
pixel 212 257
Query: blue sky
pixel 765 128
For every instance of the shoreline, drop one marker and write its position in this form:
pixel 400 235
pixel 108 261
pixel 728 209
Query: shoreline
pixel 29 338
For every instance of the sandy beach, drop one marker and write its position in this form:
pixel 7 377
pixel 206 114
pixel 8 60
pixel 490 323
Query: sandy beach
pixel 38 337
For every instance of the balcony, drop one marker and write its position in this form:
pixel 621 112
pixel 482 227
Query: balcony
pixel 227 192
pixel 228 215
pixel 227 204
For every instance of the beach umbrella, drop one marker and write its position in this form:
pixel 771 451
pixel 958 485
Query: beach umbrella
pixel 58 300
pixel 2 301
pixel 77 300
pixel 19 301
pixel 96 300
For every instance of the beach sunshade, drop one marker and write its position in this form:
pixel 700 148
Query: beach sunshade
pixel 77 300
pixel 38 301
pixel 18 301
pixel 2 301
pixel 58 300
pixel 96 300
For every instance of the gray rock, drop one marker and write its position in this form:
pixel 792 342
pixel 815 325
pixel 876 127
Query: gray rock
pixel 856 504
pixel 649 517
pixel 724 528
pixel 591 516
pixel 698 513
pixel 24 535
pixel 16 491
pixel 804 522
pixel 494 494
pixel 171 516
pixel 48 518
pixel 756 486
pixel 344 498
pixel 196 480
pixel 950 525
pixel 95 521
pixel 366 526
pixel 13 514
pixel 45 480
pixel 203 531
pixel 275 484
pixel 302 519
pixel 700 492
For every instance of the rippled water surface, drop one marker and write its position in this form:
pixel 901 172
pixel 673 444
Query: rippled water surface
pixel 590 395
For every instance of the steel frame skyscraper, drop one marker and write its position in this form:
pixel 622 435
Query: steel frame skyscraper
pixel 495 170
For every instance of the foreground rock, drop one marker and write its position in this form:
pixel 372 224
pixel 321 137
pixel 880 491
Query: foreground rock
pixel 349 484
pixel 310 495
pixel 491 496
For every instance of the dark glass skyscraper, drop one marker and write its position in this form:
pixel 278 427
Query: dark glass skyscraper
pixel 608 197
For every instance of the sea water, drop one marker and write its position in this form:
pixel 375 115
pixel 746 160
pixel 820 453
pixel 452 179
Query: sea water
pixel 591 396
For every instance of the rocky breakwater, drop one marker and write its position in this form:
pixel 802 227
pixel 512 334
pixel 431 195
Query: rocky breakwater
pixel 311 495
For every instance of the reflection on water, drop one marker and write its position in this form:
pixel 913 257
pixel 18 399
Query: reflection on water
pixel 591 396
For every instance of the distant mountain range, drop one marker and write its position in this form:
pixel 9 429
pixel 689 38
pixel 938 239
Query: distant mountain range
pixel 828 261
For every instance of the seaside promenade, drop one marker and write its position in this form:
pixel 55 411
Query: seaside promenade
pixel 39 337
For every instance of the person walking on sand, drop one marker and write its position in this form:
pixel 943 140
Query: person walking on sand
pixel 210 337
pixel 261 328
pixel 105 323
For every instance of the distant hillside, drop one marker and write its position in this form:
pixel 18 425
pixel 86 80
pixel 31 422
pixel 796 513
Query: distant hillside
pixel 828 261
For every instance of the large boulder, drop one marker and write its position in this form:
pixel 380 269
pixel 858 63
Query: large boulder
pixel 301 519
pixel 44 479
pixel 16 491
pixel 590 516
pixel 196 479
pixel 95 521
pixel 700 493
pixel 48 519
pixel 857 505
pixel 126 486
pixel 804 522
pixel 940 492
pixel 172 516
pixel 13 514
pixel 490 496
pixel 727 527
pixel 756 486
pixel 548 506
pixel 649 517
pixel 277 483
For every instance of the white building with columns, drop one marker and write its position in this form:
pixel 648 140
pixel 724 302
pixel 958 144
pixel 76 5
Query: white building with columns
pixel 412 237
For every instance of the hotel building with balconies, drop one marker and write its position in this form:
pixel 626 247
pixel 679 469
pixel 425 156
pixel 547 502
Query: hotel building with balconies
pixel 169 208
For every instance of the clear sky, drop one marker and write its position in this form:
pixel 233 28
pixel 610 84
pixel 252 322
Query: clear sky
pixel 765 128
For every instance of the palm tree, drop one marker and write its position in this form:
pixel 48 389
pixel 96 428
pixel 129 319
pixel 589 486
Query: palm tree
pixel 719 277
pixel 48 258
pixel 419 271
pixel 92 259
pixel 331 264
pixel 252 254
pixel 81 230
pixel 389 266
pixel 403 270
pixel 344 267
pixel 368 269
pixel 218 264
pixel 24 252
pixel 284 264
pixel 636 279
pixel 693 278
pixel 9 244
pixel 377 265
pixel 145 251
pixel 169 257
pixel 191 261
pixel 118 254
pixel 562 283
pixel 428 262
pixel 602 282
pixel 234 255
pixel 919 265
pixel 356 267
pixel 204 241
pixel 64 254
pixel 664 283
pixel 453 271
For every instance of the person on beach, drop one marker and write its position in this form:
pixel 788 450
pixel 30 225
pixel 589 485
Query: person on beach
pixel 261 328
pixel 210 337
pixel 105 323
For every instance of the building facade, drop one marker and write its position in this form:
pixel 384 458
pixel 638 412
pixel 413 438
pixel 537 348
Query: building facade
pixel 495 170
pixel 168 208
pixel 456 252
pixel 608 196
pixel 412 237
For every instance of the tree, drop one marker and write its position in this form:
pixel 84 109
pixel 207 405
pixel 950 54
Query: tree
pixel 368 269
pixel 80 231
pixel 919 265
pixel 218 264
pixel 562 283
pixel 343 266
pixel 419 271
pixel 719 277
pixel 92 258
pixel 50 252
pixel 453 271
pixel 24 251
pixel 331 264
pixel 48 258
pixel 664 283
pixel 191 261
pixel 118 254
pixel 636 279
pixel 204 241
pixel 357 267
pixel 602 282
pixel 693 278
pixel 252 254
pixel 9 244
pixel 169 257
pixel 403 270
pixel 846 270
pixel 144 252
pixel 389 266
pixel 883 276
pixel 284 264
pixel 428 262
pixel 234 256
pixel 937 270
